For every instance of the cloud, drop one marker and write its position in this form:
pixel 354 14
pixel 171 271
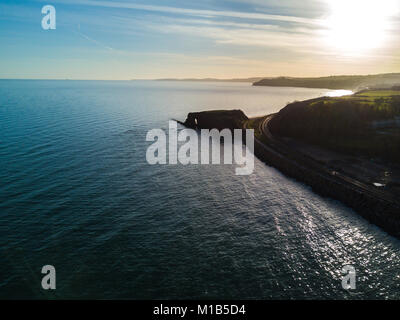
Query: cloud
pixel 197 12
pixel 242 36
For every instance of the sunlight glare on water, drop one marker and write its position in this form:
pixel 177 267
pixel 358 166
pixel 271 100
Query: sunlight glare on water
pixel 339 93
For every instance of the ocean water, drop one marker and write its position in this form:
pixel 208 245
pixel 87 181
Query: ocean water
pixel 77 193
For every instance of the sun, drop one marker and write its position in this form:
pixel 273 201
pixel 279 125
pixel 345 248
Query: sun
pixel 356 26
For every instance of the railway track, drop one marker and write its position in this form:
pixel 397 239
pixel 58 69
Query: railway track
pixel 308 163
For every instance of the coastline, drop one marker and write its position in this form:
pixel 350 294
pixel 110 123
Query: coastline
pixel 375 206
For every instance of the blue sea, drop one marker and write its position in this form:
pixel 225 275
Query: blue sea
pixel 77 193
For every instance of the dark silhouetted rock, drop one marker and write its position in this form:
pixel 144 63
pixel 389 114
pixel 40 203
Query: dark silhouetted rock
pixel 219 119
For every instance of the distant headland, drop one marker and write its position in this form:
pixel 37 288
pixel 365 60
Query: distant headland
pixel 349 82
pixel 354 82
pixel 251 80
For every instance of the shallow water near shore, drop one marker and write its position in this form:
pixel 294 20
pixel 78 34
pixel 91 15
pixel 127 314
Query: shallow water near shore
pixel 76 192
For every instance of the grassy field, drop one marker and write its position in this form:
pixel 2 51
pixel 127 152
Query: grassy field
pixel 378 93
pixel 366 97
pixel 382 104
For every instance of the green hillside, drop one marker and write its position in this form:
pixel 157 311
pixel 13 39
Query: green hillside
pixel 334 82
pixel 366 123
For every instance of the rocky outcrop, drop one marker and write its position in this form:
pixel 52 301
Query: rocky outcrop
pixel 220 119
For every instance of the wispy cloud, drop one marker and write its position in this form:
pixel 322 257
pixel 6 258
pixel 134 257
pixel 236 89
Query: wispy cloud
pixel 197 12
pixel 229 32
pixel 241 36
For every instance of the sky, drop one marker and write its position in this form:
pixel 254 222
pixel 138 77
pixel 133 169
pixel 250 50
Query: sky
pixel 122 40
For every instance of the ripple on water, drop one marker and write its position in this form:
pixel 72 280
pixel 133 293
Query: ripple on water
pixel 77 193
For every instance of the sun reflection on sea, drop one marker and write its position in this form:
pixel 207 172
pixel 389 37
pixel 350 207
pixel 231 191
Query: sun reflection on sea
pixel 339 93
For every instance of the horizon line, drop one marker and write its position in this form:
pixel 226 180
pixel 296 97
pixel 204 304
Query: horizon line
pixel 205 78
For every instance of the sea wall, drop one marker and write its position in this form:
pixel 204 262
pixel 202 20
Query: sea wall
pixel 380 212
